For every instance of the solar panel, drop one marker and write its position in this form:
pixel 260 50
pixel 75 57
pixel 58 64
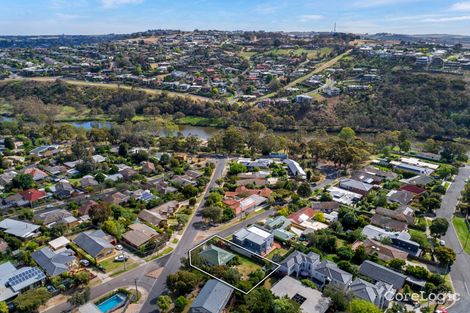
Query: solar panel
pixel 26 275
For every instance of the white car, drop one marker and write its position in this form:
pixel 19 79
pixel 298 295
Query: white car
pixel 120 258
pixel 84 262
pixel 442 242
pixel 118 247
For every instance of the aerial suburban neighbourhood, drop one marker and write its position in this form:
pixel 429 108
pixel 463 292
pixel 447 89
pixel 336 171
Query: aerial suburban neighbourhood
pixel 220 171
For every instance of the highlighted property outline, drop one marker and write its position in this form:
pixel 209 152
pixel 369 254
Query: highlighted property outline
pixel 238 246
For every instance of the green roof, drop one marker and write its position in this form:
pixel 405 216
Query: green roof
pixel 282 235
pixel 216 256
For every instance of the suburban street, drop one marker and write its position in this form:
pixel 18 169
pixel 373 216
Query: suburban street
pixel 185 243
pixel 460 271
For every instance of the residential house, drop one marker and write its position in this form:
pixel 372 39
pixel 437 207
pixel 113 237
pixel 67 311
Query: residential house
pixel 413 169
pixel 56 216
pixel 388 223
pixel 367 178
pixel 300 264
pixel 379 293
pixel 6 178
pixel 152 217
pixel 14 281
pixel 139 235
pixel 309 299
pixel 88 181
pixel 403 213
pixel 344 196
pixel 295 168
pixel 384 252
pixel 128 173
pixel 86 207
pixel 402 197
pixel 212 298
pixel 419 180
pixel 54 263
pixel 278 222
pixel 63 189
pixel 96 243
pixel 413 189
pixel 254 239
pixel 246 204
pixel 36 173
pixel 381 273
pixel 20 229
pixel 32 195
pixel 59 243
pixel 213 255
pixel 147 167
pixel 329 273
pixel 355 186
pixel 116 198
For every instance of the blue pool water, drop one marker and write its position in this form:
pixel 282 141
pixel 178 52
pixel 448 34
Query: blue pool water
pixel 112 303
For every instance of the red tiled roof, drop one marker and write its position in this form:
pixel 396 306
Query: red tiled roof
pixel 295 217
pixel 32 195
pixel 414 189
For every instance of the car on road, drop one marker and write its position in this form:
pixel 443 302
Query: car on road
pixel 442 242
pixel 118 247
pixel 121 258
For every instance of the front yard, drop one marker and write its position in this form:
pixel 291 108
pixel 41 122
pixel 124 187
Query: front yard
pixel 462 232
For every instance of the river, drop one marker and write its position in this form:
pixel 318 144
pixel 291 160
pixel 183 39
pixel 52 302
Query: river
pixel 203 132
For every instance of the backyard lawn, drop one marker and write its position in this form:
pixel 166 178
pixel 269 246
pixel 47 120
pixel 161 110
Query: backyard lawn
pixel 246 267
pixel 462 232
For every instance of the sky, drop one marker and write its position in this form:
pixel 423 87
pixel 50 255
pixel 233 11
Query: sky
pixel 87 17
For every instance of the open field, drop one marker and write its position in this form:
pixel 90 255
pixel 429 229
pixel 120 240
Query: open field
pixel 297 52
pixel 462 232
pixel 320 68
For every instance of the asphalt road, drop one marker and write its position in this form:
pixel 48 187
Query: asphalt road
pixel 460 270
pixel 186 242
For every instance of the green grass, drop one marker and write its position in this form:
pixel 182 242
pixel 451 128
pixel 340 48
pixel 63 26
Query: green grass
pixel 280 251
pixel 246 54
pixel 246 266
pixel 311 54
pixel 159 255
pixel 462 232
pixel 111 267
pixel 420 237
pixel 201 121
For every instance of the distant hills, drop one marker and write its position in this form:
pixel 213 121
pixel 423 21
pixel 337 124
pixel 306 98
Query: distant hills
pixel 429 38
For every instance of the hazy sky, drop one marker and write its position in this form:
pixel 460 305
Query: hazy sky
pixel 32 17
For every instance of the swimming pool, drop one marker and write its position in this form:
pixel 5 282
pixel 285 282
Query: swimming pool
pixel 112 303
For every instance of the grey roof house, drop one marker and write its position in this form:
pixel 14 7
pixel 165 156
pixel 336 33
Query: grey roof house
pixel 15 281
pixel 54 263
pixel 212 298
pixel 379 294
pixel 19 229
pixel 381 273
pixel 95 242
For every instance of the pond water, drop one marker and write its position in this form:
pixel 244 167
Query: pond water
pixel 203 132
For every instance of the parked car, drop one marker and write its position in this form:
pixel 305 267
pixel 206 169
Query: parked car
pixel 118 247
pixel 84 262
pixel 120 258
